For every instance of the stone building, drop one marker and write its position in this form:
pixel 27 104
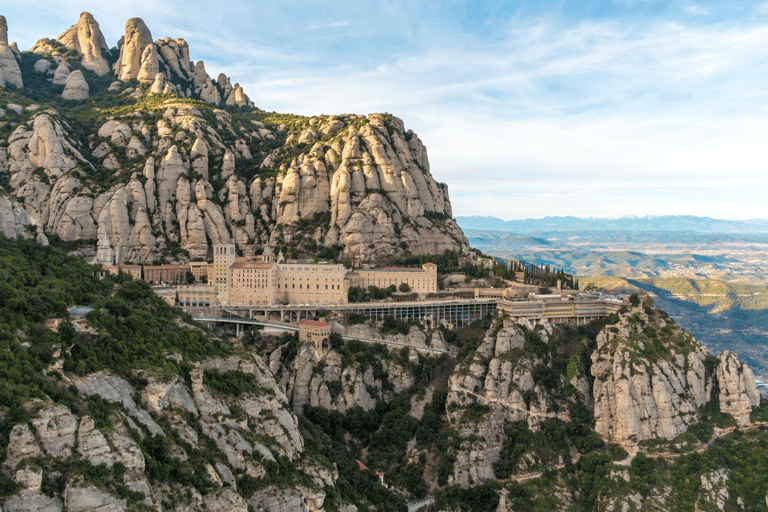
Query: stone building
pixel 251 283
pixel 223 258
pixel 133 270
pixel 420 280
pixel 316 332
pixel 166 274
pixel 260 280
pixel 199 269
pixel 310 283
pixel 196 295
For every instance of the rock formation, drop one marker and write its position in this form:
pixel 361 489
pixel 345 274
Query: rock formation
pixel 75 87
pixel 137 38
pixel 10 73
pixel 738 393
pixel 86 37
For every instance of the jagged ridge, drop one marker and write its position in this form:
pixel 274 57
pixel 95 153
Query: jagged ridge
pixel 149 162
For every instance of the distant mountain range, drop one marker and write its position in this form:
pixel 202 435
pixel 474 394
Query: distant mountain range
pixel 648 223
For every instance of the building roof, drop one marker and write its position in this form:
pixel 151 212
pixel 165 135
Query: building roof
pixel 314 323
pixel 252 264
pixel 391 269
pixel 430 264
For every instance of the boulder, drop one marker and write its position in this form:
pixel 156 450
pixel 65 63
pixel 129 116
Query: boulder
pixel 75 87
pixel 61 74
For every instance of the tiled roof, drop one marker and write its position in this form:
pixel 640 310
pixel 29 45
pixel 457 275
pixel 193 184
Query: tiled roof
pixel 314 323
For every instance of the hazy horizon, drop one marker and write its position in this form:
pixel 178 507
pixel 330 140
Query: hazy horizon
pixel 600 109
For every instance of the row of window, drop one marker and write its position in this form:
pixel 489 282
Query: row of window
pixel 293 286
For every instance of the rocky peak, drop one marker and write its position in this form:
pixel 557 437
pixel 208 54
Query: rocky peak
pixel 9 67
pixel 86 37
pixel 3 30
pixel 137 38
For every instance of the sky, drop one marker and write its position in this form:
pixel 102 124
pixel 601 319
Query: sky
pixel 528 109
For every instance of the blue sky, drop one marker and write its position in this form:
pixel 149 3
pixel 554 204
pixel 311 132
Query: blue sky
pixel 528 109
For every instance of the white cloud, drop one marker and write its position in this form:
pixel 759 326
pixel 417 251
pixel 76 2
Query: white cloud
pixel 329 24
pixel 642 116
pixel 697 9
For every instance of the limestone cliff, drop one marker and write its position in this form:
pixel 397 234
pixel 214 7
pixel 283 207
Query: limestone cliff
pixel 652 379
pixel 169 176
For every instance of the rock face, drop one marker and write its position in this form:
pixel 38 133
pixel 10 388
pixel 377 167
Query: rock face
pixel 13 219
pixel 86 37
pixel 56 427
pixel 10 73
pixel 738 393
pixel 499 377
pixel 637 398
pixel 137 37
pixel 75 87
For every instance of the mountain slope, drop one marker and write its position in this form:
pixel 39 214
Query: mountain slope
pixel 164 161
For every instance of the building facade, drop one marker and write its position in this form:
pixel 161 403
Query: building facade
pixel 166 274
pixel 310 283
pixel 197 295
pixel 223 258
pixel 420 280
pixel 251 283
pixel 199 269
pixel 316 332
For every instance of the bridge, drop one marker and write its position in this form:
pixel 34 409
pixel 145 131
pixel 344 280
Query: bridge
pixel 458 312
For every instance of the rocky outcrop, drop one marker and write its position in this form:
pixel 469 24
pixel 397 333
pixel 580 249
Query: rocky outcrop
pixel 10 73
pixel 14 222
pixel 92 444
pixel 56 427
pixel 33 502
pixel 61 74
pixel 499 377
pixel 642 395
pixel 22 445
pixel 637 397
pixel 91 499
pixel 86 38
pixel 75 87
pixel 738 393
pixel 137 37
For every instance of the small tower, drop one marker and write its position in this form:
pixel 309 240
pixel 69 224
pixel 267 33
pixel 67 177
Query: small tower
pixel 266 256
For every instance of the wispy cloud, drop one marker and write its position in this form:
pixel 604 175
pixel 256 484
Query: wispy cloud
pixel 329 25
pixel 641 114
pixel 697 9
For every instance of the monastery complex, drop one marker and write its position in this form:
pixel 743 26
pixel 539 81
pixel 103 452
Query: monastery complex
pixel 265 280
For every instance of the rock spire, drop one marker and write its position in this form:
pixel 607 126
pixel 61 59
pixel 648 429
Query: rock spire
pixel 86 37
pixel 9 67
pixel 137 38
